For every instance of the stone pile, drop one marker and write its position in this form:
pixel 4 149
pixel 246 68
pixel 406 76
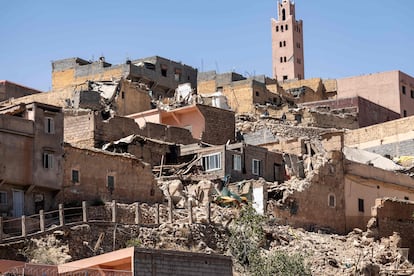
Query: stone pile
pixel 329 254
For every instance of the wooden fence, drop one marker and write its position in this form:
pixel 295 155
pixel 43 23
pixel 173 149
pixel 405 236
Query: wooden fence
pixel 24 226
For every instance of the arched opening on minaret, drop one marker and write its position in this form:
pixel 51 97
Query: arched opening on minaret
pixel 283 14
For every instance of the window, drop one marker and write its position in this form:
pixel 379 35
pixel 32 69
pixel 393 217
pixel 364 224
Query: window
pixel 212 162
pixel 47 160
pixel 75 176
pixel 123 95
pixel 110 182
pixel 287 27
pixel 406 198
pixel 164 69
pixel 281 60
pixel 256 167
pixel 236 162
pixel 284 43
pixel 361 205
pixel 3 198
pixel 298 118
pixel 283 15
pixel 177 74
pixel 331 200
pixel 297 45
pixel 405 113
pixel 403 89
pixel 49 125
pixel 281 28
pixel 277 28
pixel 412 94
pixel 284 59
pixel 298 60
pixel 285 77
pixel 280 44
pixel 257 93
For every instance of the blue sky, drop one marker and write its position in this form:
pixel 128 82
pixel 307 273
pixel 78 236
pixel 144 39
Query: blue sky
pixel 341 38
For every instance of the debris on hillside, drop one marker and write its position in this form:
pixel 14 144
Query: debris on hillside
pixel 353 254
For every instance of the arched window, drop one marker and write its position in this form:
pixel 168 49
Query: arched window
pixel 280 44
pixel 281 28
pixel 283 14
pixel 286 27
pixel 277 28
pixel 281 59
pixel 284 43
pixel 284 59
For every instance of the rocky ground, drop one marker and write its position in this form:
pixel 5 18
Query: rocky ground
pixel 327 254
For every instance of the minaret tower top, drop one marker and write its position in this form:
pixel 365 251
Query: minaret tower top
pixel 287 43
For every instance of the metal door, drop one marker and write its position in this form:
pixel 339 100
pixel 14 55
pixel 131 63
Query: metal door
pixel 18 203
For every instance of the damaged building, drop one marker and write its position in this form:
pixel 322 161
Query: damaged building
pixel 97 176
pixel 208 124
pixel 31 137
pixel 242 93
pixel 160 75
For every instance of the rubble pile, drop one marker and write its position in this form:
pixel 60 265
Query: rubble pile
pixel 286 130
pixel 354 254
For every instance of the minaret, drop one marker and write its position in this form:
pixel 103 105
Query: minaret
pixel 287 44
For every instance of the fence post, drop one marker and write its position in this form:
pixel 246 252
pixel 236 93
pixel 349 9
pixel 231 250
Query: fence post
pixel 42 220
pixel 170 211
pixel 208 212
pixel 84 212
pixel 1 229
pixel 24 233
pixel 137 213
pixel 61 215
pixel 157 213
pixel 190 211
pixel 113 210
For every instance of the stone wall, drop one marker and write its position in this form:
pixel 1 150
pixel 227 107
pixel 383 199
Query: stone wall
pixel 308 206
pixel 79 128
pixel 395 216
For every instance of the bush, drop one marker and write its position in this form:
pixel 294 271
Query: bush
pixel 133 242
pixel 246 235
pixel 247 238
pixel 279 263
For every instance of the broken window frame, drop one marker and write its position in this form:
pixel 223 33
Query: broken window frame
pixel 164 70
pixel 332 200
pixel 212 162
pixel 177 74
pixel 75 176
pixel 49 125
pixel 237 162
pixel 110 182
pixel 361 207
pixel 3 198
pixel 47 160
pixel 257 167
